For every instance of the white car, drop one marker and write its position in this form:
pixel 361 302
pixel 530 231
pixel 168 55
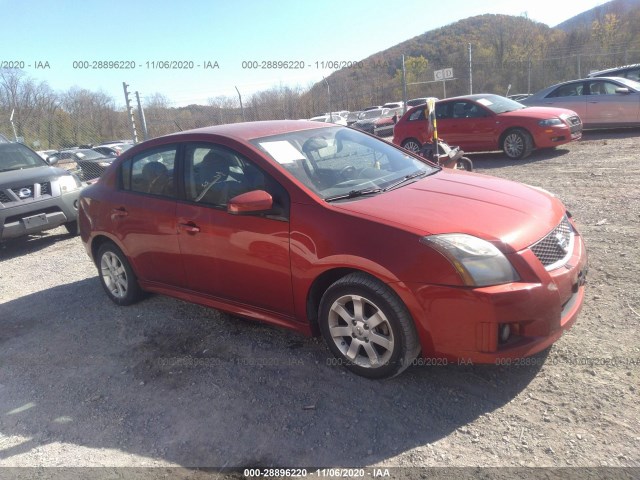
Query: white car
pixel 333 118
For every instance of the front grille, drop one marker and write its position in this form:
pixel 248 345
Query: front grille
pixel 555 249
pixel 45 188
pixel 575 123
pixel 25 192
pixel 28 191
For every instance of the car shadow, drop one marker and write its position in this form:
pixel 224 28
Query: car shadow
pixel 185 384
pixel 16 247
pixel 609 133
pixel 491 160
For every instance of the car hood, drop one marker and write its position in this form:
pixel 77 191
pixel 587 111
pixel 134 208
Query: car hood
pixel 510 214
pixel 368 121
pixel 30 175
pixel 96 160
pixel 540 113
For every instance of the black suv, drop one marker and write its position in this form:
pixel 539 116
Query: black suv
pixel 34 196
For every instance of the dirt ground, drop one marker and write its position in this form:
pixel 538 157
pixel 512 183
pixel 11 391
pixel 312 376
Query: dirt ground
pixel 165 383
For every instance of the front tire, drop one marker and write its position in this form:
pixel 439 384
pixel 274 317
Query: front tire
pixel 517 144
pixel 367 327
pixel 117 276
pixel 72 228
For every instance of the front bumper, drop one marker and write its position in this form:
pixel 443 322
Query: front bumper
pixel 45 213
pixel 465 323
pixel 554 136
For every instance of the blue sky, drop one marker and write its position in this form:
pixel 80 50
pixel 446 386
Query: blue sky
pixel 229 32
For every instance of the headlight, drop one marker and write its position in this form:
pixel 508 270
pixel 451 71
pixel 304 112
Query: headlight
pixel 68 183
pixel 478 262
pixel 104 164
pixel 550 122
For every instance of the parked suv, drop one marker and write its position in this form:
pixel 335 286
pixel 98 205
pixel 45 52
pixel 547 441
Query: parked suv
pixel 34 196
pixel 632 72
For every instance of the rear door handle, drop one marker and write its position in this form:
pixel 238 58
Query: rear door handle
pixel 189 227
pixel 119 212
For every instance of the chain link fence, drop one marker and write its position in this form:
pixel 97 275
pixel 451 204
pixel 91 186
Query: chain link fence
pixel 44 120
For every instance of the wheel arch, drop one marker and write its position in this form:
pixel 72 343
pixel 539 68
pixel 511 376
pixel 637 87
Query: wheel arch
pixel 320 285
pixel 99 240
pixel 507 131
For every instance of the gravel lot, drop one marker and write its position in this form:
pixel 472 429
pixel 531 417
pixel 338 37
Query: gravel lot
pixel 166 383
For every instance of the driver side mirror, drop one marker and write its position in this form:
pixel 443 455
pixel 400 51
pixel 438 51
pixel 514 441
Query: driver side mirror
pixel 622 90
pixel 255 201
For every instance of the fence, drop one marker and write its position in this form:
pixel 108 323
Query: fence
pixel 92 119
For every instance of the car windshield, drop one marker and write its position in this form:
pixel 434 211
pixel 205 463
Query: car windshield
pixel 88 155
pixel 498 104
pixel 630 83
pixel 14 156
pixel 339 162
pixel 369 114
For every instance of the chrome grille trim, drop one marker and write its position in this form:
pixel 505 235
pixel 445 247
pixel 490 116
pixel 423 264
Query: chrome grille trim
pixel 554 250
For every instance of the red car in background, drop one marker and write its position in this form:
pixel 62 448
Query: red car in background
pixel 485 122
pixel 325 229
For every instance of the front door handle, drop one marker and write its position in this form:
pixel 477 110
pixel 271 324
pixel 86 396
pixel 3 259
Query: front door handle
pixel 189 227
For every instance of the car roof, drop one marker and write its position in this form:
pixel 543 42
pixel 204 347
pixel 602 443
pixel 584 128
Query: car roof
pixel 603 73
pixel 249 130
pixel 475 97
pixel 587 79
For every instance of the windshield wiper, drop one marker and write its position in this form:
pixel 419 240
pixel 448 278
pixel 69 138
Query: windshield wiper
pixel 406 178
pixel 354 194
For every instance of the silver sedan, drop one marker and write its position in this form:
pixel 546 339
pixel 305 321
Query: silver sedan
pixel 600 102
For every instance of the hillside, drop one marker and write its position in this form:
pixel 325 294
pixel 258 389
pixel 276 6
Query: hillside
pixel 618 7
pixel 506 51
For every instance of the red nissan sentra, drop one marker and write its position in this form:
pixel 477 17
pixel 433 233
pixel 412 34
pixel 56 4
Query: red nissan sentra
pixel 325 229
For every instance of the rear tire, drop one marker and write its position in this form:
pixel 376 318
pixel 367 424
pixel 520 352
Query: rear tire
pixel 517 144
pixel 412 145
pixel 117 276
pixel 367 327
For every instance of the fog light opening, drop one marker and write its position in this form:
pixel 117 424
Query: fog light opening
pixel 504 332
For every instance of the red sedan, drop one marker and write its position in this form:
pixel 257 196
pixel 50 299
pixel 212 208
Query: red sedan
pixel 484 122
pixel 326 229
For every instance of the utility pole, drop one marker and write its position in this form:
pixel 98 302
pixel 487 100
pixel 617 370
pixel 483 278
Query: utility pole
pixel 130 111
pixel 329 94
pixel 143 120
pixel 470 73
pixel 241 107
pixel 404 88
pixel 13 125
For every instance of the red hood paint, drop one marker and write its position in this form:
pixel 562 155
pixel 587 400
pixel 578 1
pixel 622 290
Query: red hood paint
pixel 541 113
pixel 491 208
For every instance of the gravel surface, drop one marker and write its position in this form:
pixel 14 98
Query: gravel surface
pixel 166 383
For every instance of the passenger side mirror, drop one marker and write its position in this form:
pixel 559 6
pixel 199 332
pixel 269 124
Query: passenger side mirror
pixel 255 201
pixel 622 90
pixel 52 160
